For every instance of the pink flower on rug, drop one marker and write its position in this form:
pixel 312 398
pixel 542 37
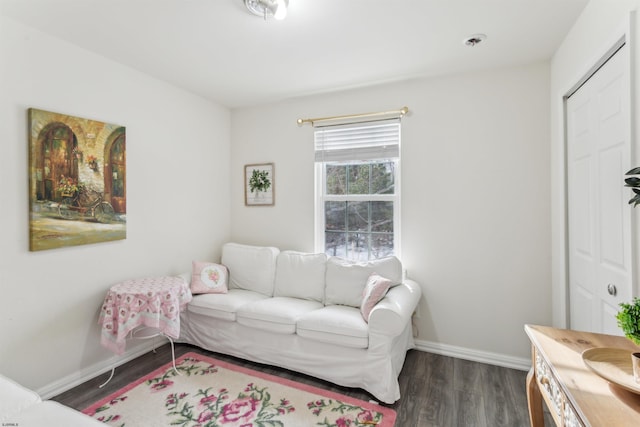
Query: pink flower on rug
pixel 172 399
pixel 118 399
pixel 240 409
pixel 343 422
pixel 285 407
pixel 365 417
pixel 206 416
pixel 205 401
pixel 109 418
pixel 162 385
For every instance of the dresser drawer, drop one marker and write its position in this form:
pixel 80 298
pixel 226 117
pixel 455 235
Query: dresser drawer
pixel 561 409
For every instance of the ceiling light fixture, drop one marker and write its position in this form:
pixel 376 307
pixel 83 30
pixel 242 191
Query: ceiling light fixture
pixel 474 39
pixel 265 8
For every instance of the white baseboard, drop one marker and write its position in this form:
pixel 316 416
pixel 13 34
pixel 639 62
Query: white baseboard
pixel 75 379
pixel 523 364
pixel 79 377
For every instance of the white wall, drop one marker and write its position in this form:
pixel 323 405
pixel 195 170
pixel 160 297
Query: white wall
pixel 600 25
pixel 475 212
pixel 177 205
pixel 475 198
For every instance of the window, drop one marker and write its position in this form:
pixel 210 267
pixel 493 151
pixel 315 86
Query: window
pixel 358 190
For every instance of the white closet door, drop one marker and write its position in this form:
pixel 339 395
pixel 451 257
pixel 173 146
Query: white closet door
pixel 598 155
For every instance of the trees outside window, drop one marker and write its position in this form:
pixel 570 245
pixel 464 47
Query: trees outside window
pixel 359 209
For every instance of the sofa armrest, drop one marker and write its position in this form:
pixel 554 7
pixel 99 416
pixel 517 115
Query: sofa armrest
pixel 392 314
pixel 14 398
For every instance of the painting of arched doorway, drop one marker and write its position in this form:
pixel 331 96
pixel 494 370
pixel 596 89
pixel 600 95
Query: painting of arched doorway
pixel 115 176
pixel 56 161
pixel 76 170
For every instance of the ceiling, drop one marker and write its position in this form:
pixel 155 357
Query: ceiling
pixel 217 49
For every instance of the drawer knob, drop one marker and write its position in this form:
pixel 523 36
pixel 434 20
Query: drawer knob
pixel 611 288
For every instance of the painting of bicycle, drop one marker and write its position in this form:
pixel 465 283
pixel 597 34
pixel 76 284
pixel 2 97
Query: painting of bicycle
pixel 77 181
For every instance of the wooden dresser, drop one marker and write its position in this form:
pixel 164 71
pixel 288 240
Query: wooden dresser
pixel 576 396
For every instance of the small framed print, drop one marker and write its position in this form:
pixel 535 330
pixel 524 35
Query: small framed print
pixel 259 185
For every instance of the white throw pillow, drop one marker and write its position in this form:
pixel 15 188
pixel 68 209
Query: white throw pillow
pixel 250 267
pixel 345 280
pixel 300 275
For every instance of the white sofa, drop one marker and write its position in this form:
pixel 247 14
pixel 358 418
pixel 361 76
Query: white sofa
pixel 301 311
pixel 22 407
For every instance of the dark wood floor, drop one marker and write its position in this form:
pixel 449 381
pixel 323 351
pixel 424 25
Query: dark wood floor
pixel 437 391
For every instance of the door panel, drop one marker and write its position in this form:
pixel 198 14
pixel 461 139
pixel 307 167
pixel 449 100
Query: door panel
pixel 580 208
pixel 609 322
pixel 582 308
pixel 611 219
pixel 598 155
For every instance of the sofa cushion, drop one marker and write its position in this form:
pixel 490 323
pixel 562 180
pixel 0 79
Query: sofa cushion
pixel 345 280
pixel 209 278
pixel 223 306
pixel 250 267
pixel 14 398
pixel 300 275
pixel 335 324
pixel 277 314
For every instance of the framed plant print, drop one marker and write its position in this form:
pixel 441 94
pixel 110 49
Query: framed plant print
pixel 259 185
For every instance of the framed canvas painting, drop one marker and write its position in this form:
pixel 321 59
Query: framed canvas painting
pixel 259 185
pixel 77 181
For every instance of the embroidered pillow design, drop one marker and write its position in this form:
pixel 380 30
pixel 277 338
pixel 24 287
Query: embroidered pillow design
pixel 209 278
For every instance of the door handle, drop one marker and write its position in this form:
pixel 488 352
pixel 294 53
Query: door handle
pixel 611 288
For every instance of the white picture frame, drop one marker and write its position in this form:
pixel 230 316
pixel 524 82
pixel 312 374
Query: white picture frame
pixel 259 184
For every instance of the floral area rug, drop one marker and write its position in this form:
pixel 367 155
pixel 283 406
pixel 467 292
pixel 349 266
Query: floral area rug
pixel 213 393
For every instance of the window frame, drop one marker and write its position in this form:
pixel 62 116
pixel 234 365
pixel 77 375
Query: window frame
pixel 321 196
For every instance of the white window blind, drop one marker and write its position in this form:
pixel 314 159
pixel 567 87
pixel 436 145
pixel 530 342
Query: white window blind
pixel 361 141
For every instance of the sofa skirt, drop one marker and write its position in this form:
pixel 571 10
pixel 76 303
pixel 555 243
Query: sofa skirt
pixel 374 369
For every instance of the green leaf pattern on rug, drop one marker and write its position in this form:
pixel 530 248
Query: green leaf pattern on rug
pixel 111 418
pixel 353 416
pixel 253 407
pixel 162 382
